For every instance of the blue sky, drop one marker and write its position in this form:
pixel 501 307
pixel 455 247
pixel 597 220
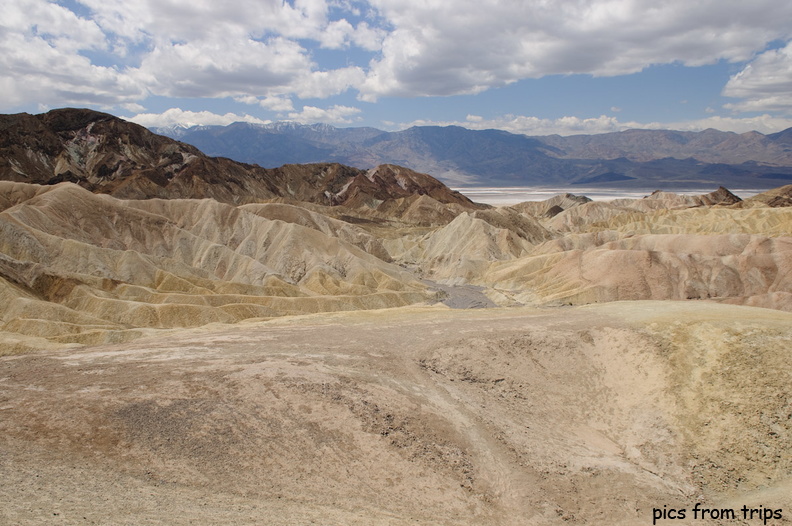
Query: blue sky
pixel 526 66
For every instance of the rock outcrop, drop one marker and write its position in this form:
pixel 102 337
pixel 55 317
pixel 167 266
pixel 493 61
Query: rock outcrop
pixel 735 268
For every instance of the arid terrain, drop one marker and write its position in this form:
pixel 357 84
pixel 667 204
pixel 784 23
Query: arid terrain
pixel 587 415
pixel 189 340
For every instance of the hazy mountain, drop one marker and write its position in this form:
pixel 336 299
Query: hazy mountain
pixel 637 158
pixel 708 146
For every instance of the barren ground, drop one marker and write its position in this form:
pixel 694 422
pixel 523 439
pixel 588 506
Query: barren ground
pixel 418 415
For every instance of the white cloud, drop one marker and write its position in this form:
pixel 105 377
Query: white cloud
pixel 133 106
pixel 263 50
pixel 322 84
pixel 279 104
pixel 274 103
pixel 441 48
pixel 367 37
pixel 41 60
pixel 762 123
pixel 247 99
pixel 198 20
pixel 54 24
pixel 765 84
pixel 127 51
pixel 339 34
pixel 333 115
pixel 223 68
pixel 336 34
pixel 176 116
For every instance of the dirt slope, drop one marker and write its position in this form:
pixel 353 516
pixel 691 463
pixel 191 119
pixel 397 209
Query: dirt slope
pixel 426 416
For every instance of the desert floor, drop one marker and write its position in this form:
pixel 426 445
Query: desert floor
pixel 415 415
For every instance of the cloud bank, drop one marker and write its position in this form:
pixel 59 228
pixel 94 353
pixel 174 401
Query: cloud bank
pixel 116 53
pixel 177 116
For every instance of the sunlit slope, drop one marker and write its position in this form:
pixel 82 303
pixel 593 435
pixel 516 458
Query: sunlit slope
pixel 602 216
pixel 74 264
pixel 665 246
pixel 462 249
pixel 738 268
pixel 591 415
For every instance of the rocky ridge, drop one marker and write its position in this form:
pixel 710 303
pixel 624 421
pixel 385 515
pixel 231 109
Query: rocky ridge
pixel 108 155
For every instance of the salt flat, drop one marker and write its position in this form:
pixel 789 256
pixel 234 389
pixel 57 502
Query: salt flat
pixel 510 195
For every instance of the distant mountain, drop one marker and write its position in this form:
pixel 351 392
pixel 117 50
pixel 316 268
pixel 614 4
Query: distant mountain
pixel 708 146
pixel 105 154
pixel 272 145
pixel 456 155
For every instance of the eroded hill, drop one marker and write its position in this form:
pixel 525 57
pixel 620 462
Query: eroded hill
pixel 79 267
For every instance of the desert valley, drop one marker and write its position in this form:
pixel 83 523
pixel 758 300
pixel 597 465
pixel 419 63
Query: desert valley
pixel 188 339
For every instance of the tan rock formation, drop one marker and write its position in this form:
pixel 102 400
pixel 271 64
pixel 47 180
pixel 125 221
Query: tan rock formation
pixel 75 262
pixel 552 206
pixel 738 268
pixel 462 250
pixel 778 197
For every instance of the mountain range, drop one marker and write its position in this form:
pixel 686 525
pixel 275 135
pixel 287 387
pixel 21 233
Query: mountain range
pixel 108 155
pixel 464 157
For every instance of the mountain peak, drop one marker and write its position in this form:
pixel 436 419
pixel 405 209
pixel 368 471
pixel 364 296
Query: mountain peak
pixel 782 137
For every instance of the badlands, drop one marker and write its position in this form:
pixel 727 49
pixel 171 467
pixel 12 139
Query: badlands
pixel 189 340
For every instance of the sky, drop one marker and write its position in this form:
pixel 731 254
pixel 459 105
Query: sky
pixel 535 67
